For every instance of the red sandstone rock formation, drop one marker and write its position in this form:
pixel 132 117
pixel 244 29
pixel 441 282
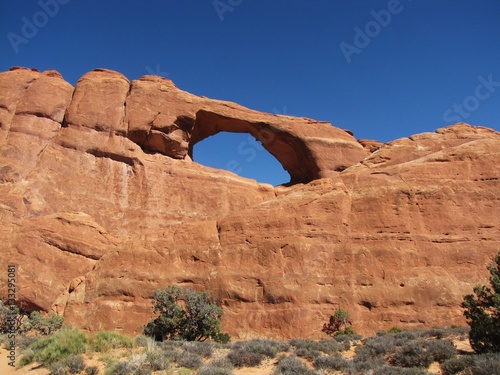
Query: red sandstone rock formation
pixel 100 204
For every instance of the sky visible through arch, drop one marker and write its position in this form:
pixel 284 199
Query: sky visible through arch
pixel 383 69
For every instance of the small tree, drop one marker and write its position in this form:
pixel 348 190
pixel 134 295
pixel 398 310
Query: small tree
pixel 482 311
pixel 185 315
pixel 339 319
pixel 43 325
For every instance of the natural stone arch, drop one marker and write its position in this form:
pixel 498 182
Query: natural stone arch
pixel 290 151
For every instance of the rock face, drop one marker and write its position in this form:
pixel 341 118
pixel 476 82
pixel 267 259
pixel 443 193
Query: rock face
pixel 101 204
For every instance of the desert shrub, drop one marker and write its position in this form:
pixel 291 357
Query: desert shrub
pixel 42 325
pixel 348 338
pixel 57 368
pixel 245 358
pixel 104 341
pixel 366 365
pixel 222 338
pixel 458 331
pixel 307 353
pixel 75 364
pixel 212 370
pixel 330 346
pixel 440 350
pixel 143 341
pixel 375 347
pixel 386 370
pixel 92 370
pixel 202 348
pixel 438 333
pixel 186 315
pixel 339 319
pixel 221 366
pixel 27 357
pixel 330 363
pixel 268 348
pixel 158 360
pixel 486 364
pixel 394 330
pixel 412 355
pixel 292 366
pixel 482 311
pixel 404 336
pixel 57 347
pixel 456 365
pixel 23 342
pixel 188 360
pixel 134 366
pixel 119 368
pixel 325 346
pixel 171 344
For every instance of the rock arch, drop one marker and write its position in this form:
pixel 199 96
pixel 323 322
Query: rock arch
pixel 290 151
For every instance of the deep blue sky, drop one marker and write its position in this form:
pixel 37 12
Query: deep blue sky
pixel 282 57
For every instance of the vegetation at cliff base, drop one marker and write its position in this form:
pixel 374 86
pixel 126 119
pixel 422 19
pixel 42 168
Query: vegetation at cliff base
pixel 482 310
pixel 185 314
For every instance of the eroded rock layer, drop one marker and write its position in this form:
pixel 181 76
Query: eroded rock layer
pixel 101 204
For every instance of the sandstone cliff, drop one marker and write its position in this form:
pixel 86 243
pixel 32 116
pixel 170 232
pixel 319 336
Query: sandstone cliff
pixel 101 204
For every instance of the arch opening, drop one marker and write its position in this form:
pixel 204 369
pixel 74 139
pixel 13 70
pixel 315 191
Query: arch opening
pixel 289 150
pixel 241 154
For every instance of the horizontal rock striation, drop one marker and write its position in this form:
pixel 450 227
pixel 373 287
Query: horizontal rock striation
pixel 101 204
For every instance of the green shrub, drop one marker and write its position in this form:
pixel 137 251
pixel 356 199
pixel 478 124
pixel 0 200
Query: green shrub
pixel 42 325
pixel 440 350
pixel 412 355
pixel 482 311
pixel 27 357
pixel 456 365
pixel 186 315
pixel 394 330
pixel 75 364
pixel 331 363
pixel 292 366
pixel 57 347
pixel 105 341
pixel 339 319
